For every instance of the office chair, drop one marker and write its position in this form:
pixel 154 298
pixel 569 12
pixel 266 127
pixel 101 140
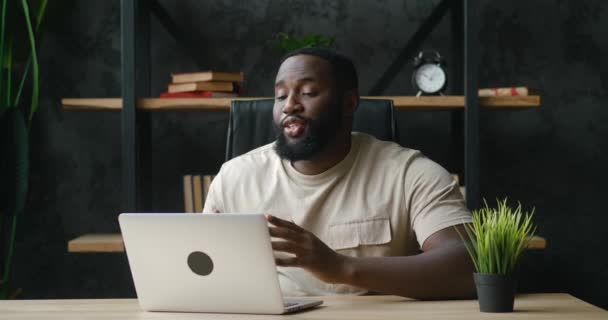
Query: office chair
pixel 250 123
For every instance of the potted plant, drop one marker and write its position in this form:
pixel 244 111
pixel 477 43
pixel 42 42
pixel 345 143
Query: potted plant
pixel 496 240
pixel 19 23
pixel 285 43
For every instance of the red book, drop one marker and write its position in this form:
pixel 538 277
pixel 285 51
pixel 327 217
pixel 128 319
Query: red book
pixel 199 94
pixel 505 92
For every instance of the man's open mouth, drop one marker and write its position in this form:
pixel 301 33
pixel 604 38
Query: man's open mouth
pixel 294 127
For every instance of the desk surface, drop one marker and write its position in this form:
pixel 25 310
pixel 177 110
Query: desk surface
pixel 534 306
pixel 114 243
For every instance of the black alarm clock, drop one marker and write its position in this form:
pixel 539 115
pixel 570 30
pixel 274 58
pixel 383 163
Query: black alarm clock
pixel 429 76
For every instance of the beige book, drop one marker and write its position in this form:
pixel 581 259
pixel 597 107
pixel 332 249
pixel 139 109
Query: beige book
pixel 202 86
pixel 197 193
pixel 207 184
pixel 207 76
pixel 188 201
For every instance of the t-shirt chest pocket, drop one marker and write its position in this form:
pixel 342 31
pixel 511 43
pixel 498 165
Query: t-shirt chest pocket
pixel 362 234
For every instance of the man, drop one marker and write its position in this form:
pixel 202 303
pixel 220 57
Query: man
pixel 349 213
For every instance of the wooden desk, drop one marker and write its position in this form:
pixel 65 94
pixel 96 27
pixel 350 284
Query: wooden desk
pixel 113 243
pixel 535 306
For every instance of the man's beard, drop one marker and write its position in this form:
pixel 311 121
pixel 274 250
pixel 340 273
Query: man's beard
pixel 320 132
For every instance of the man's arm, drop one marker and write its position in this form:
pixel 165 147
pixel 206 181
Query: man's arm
pixel 443 271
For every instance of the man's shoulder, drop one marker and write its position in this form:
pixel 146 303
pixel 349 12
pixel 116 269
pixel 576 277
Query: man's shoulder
pixel 389 154
pixel 255 159
pixel 388 151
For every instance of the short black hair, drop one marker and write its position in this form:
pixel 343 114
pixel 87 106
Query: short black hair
pixel 343 69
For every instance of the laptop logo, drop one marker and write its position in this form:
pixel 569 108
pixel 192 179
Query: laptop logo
pixel 200 263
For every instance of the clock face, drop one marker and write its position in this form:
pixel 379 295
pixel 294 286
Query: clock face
pixel 430 78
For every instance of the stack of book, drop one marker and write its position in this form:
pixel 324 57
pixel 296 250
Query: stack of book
pixel 506 92
pixel 196 187
pixel 204 84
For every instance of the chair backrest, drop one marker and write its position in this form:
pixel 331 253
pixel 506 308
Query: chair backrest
pixel 250 124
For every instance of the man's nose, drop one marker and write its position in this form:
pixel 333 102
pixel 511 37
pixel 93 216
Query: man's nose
pixel 292 105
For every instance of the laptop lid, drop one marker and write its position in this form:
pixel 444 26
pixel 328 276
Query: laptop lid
pixel 202 262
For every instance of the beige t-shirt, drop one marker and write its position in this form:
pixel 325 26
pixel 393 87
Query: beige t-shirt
pixel 381 200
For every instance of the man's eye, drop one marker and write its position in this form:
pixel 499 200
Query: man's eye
pixel 280 98
pixel 309 94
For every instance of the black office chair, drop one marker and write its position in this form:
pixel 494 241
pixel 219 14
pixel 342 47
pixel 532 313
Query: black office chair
pixel 250 123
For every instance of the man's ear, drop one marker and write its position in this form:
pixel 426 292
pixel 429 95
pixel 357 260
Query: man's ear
pixel 350 102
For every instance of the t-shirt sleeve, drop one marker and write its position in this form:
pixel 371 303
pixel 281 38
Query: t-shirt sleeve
pixel 214 201
pixel 434 199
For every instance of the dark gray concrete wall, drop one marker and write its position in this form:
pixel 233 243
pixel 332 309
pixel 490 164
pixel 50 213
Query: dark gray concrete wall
pixel 552 158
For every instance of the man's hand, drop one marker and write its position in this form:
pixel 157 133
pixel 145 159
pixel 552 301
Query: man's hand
pixel 310 253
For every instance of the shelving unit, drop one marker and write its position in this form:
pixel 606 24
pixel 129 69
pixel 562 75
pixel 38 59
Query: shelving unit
pixel 463 102
pixel 402 103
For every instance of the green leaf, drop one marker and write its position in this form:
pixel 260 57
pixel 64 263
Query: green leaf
pixel 14 168
pixel 9 74
pixel 498 237
pixel 14 164
pixel 3 31
pixel 8 263
pixel 17 30
pixel 32 40
pixel 285 43
pixel 40 12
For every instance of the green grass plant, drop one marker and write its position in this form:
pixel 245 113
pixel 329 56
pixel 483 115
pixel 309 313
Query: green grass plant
pixel 497 237
pixel 285 42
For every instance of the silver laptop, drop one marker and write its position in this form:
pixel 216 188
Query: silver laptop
pixel 204 263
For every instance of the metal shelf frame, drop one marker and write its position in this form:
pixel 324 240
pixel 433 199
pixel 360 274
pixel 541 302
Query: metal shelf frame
pixel 135 67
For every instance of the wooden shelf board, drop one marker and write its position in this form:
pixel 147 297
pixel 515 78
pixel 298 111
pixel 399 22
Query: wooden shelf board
pixel 97 243
pixel 114 243
pixel 537 243
pixel 223 104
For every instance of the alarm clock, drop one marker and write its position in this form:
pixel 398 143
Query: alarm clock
pixel 429 76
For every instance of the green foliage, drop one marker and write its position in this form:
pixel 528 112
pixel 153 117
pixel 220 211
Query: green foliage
pixel 498 236
pixel 14 168
pixel 19 23
pixel 285 43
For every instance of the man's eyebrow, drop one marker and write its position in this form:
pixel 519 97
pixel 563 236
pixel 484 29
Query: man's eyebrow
pixel 304 79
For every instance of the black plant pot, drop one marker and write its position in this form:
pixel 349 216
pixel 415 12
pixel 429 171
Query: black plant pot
pixel 495 292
